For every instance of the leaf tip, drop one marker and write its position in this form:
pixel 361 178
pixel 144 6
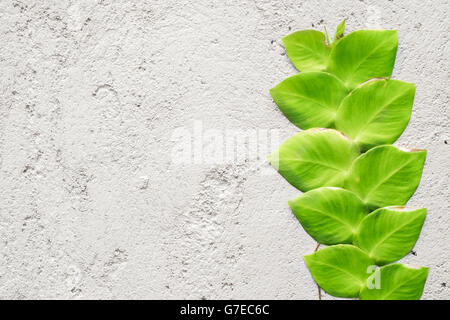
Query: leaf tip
pixel 307 259
pixel 291 203
pixel 272 92
pixel 273 159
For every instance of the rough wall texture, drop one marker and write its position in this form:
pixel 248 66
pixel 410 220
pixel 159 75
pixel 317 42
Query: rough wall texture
pixel 91 203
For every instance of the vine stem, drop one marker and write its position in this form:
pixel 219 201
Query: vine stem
pixel 318 287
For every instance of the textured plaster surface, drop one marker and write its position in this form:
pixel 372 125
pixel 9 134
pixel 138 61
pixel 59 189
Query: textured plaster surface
pixel 91 204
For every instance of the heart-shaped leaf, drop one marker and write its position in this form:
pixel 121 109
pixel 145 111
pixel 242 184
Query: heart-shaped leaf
pixel 307 50
pixel 377 112
pixel 340 270
pixel 386 176
pixel 388 234
pixel 363 55
pixel 310 99
pixel 315 158
pixel 329 215
pixel 397 282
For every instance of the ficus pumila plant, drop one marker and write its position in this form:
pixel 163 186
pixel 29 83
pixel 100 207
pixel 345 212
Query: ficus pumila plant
pixel 355 183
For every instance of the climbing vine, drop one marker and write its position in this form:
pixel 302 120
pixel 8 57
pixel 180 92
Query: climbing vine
pixel 355 183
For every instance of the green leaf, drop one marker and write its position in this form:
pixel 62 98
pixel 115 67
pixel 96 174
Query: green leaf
pixel 315 158
pixel 340 31
pixel 363 55
pixel 307 50
pixel 310 99
pixel 377 112
pixel 340 270
pixel 329 215
pixel 388 234
pixel 397 282
pixel 386 176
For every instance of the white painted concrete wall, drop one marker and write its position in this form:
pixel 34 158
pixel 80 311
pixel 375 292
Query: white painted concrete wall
pixel 93 94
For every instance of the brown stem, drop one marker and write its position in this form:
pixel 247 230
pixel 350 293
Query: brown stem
pixel 317 247
pixel 318 287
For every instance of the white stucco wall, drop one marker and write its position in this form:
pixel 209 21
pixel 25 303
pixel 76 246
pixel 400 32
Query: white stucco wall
pixel 92 96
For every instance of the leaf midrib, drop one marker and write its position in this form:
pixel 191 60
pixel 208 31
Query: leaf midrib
pixel 314 162
pixel 367 56
pixel 386 178
pixel 396 287
pixel 348 224
pixel 381 109
pixel 389 234
pixel 325 58
pixel 360 281
pixel 320 103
